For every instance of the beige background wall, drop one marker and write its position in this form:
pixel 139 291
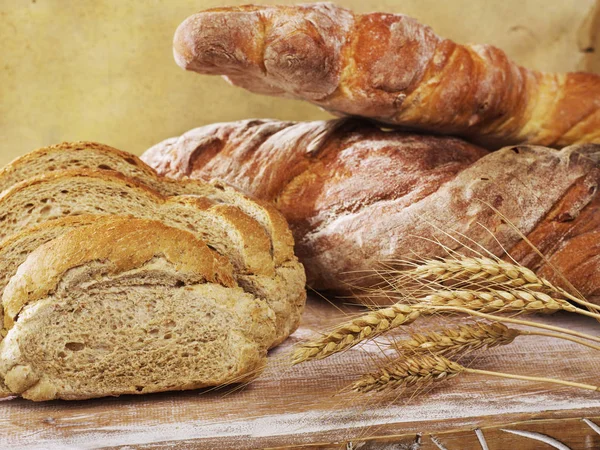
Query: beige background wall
pixel 103 69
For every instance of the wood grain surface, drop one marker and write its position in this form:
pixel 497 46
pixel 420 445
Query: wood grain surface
pixel 301 407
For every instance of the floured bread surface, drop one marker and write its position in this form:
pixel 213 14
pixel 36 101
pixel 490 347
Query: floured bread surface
pixel 90 317
pixel 357 195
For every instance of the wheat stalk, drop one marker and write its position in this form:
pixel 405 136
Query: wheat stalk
pixel 487 272
pixel 377 322
pixel 460 339
pixel 423 370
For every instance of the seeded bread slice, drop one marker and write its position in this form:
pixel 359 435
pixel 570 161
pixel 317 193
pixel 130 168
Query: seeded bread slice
pixel 129 307
pixel 94 156
pixel 224 227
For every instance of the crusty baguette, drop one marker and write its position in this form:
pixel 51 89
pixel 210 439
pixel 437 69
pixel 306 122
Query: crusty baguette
pixel 95 156
pixel 224 227
pixel 128 308
pixel 356 196
pixel 391 68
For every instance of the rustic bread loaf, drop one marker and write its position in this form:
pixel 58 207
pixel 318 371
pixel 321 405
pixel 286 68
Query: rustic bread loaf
pixel 129 307
pixel 391 68
pixel 223 227
pixel 94 156
pixel 356 195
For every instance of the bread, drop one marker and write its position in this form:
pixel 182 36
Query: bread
pixel 225 228
pixel 356 195
pixel 129 307
pixel 95 156
pixel 390 68
pixel 15 249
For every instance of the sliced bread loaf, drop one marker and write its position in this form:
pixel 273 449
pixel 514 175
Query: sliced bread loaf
pixel 94 156
pixel 129 307
pixel 224 227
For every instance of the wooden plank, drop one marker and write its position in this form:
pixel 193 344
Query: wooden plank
pixel 571 434
pixel 300 406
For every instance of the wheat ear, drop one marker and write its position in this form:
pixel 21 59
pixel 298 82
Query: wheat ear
pixel 498 301
pixel 429 309
pixel 467 338
pixel 459 339
pixel 354 331
pixel 422 370
pixel 488 272
pixel 409 372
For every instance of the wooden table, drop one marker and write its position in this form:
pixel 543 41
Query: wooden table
pixel 298 407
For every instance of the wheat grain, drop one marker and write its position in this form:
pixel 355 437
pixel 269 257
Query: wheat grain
pixel 354 331
pixel 460 339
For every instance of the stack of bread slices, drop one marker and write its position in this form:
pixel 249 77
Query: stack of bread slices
pixel 115 281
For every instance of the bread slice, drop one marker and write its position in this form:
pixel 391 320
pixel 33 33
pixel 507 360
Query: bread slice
pixel 15 250
pixel 71 156
pixel 94 156
pixel 129 307
pixel 65 193
pixel 224 227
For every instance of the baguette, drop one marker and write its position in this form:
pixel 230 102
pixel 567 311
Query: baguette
pixel 356 195
pixel 129 307
pixel 225 228
pixel 390 68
